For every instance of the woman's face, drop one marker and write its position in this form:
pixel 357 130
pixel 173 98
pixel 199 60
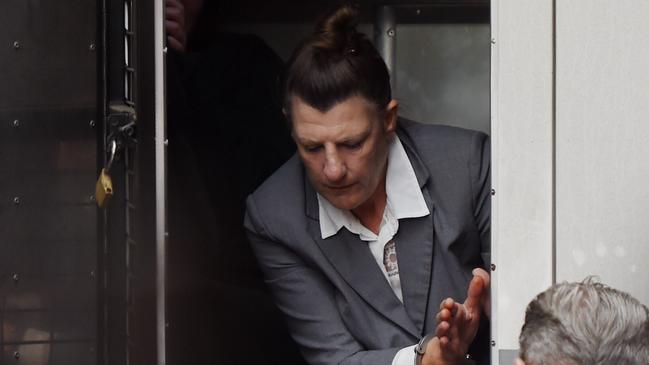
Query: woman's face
pixel 345 148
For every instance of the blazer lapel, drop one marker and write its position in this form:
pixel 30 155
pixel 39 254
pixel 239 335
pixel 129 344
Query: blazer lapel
pixel 354 262
pixel 414 244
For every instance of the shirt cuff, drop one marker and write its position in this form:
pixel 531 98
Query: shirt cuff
pixel 405 356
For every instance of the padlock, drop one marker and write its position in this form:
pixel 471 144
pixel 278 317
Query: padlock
pixel 103 189
pixel 104 186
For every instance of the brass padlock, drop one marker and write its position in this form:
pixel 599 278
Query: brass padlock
pixel 103 189
pixel 104 185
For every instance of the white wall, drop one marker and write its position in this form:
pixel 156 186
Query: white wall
pixel 583 160
pixel 602 142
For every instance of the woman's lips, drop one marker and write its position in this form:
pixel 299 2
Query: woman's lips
pixel 342 187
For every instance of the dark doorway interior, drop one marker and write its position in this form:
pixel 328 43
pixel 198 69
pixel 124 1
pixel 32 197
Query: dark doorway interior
pixel 227 134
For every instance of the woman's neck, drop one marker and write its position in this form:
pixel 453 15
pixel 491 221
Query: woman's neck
pixel 370 213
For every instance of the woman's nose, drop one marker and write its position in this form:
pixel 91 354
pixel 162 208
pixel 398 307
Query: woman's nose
pixel 334 168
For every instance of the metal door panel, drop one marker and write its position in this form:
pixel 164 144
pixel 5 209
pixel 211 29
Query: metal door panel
pixel 47 125
pixel 64 36
pixel 21 322
pixel 50 353
pixel 31 326
pixel 72 353
pixel 38 258
pixel 60 326
pixel 26 354
pixel 62 293
pixel 30 221
pixel 76 326
pixel 49 187
pixel 54 123
pixel 48 164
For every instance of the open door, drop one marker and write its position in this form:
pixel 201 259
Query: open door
pixel 81 284
pixel 49 127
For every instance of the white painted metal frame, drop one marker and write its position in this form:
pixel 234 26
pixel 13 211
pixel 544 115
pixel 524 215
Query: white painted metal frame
pixel 160 184
pixel 522 163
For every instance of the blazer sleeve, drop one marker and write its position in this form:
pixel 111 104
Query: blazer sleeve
pixel 307 300
pixel 480 169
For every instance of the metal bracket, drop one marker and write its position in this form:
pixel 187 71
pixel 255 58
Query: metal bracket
pixel 121 122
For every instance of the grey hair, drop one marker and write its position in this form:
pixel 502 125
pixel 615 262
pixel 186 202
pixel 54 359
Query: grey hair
pixel 585 323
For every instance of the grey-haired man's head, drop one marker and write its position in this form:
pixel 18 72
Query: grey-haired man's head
pixel 585 323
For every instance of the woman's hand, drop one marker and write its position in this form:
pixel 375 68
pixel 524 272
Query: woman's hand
pixel 175 25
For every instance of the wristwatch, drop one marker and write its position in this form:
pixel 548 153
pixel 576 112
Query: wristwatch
pixel 420 349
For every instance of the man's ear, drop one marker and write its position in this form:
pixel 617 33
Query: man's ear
pixel 518 361
pixel 391 115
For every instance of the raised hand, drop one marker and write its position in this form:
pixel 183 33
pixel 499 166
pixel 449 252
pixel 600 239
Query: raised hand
pixel 457 323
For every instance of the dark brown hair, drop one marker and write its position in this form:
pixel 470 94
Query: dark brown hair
pixel 335 63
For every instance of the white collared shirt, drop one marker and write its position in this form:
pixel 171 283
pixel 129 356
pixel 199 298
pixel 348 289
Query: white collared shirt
pixel 404 200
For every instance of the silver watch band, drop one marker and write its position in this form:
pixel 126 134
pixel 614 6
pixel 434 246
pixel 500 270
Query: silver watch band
pixel 420 349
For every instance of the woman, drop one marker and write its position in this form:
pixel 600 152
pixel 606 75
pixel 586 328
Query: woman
pixel 375 220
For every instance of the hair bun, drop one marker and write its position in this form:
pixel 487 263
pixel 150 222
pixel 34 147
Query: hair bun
pixel 336 62
pixel 338 29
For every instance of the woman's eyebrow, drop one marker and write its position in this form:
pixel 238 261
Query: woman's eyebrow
pixel 356 138
pixel 307 141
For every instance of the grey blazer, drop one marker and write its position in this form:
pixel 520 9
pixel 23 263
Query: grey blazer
pixel 338 305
